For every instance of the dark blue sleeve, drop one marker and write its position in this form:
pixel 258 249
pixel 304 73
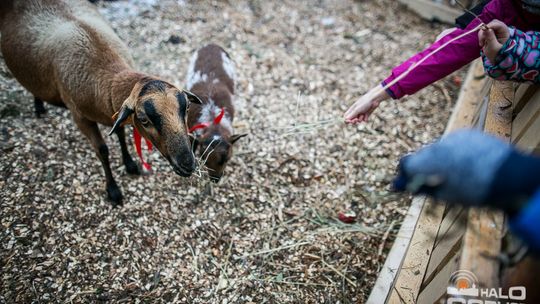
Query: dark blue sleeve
pixel 464 20
pixel 526 224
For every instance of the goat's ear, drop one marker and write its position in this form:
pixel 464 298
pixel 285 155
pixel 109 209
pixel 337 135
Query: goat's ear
pixel 236 137
pixel 192 97
pixel 121 118
pixel 126 111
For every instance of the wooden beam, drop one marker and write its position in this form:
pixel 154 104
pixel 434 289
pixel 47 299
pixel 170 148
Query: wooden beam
pixel 394 260
pixel 404 269
pixel 411 272
pixel 525 125
pixel 470 97
pixel 448 242
pixel 430 10
pixel 436 289
pixel 523 93
pixel 485 228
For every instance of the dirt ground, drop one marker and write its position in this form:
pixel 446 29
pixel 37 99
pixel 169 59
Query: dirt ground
pixel 268 233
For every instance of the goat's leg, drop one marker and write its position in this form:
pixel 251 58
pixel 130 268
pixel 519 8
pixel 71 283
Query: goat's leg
pixel 131 166
pixel 91 131
pixel 39 107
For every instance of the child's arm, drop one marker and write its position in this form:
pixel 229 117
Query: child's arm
pixel 510 54
pixel 449 59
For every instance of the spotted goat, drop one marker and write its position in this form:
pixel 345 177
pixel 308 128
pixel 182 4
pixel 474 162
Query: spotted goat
pixel 211 77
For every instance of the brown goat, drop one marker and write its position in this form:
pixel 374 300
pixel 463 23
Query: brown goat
pixel 211 77
pixel 63 52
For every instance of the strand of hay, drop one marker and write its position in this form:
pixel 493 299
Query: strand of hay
pixel 416 64
pixel 309 127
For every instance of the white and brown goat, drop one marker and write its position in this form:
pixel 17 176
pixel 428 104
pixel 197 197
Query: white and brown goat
pixel 211 76
pixel 63 52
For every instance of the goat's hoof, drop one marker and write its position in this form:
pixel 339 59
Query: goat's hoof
pixel 132 168
pixel 40 112
pixel 115 195
pixel 39 107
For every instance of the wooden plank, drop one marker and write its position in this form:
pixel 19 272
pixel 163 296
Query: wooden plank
pixel 449 219
pixel 393 262
pixel 409 273
pixel 469 99
pixel 528 116
pixel 499 116
pixel 526 125
pixel 430 10
pixel 447 244
pixel 530 139
pixel 480 116
pixel 481 244
pixel 485 228
pixel 523 93
pixel 436 289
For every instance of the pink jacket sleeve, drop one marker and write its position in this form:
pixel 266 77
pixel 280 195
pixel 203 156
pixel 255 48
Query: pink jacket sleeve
pixel 449 59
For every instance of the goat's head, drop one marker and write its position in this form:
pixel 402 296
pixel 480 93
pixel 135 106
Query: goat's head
pixel 159 112
pixel 215 144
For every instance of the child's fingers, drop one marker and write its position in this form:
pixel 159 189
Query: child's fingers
pixel 486 37
pixel 354 111
pixel 352 121
pixel 501 33
pixel 482 37
pixel 498 27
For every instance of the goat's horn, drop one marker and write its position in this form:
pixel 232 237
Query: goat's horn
pixel 124 114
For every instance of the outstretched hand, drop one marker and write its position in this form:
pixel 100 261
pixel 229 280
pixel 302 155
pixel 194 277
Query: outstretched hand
pixel 365 105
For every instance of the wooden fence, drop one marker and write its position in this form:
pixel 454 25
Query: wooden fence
pixel 441 11
pixel 436 240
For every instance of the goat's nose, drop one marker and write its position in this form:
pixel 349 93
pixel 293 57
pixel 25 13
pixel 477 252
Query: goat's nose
pixel 187 162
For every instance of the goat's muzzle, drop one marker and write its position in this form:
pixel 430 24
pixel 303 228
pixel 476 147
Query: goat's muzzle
pixel 183 161
pixel 184 165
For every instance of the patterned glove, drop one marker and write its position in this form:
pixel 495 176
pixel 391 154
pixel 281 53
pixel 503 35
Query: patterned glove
pixel 518 59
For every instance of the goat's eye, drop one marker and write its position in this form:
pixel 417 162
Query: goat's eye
pixel 143 120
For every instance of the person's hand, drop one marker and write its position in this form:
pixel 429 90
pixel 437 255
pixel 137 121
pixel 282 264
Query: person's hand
pixel 460 168
pixel 492 39
pixel 365 105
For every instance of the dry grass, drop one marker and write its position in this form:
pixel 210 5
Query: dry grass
pixel 268 232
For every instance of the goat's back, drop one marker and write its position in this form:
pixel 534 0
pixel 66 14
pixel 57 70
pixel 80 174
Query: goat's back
pixel 211 76
pixel 211 65
pixel 58 46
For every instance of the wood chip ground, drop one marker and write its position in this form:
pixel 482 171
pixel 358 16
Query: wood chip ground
pixel 268 233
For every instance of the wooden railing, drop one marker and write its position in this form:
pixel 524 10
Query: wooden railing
pixel 436 240
pixel 440 11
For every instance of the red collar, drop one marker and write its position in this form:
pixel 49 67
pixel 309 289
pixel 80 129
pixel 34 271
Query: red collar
pixel 138 146
pixel 204 125
pixel 138 138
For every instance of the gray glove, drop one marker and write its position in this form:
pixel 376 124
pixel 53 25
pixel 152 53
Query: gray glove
pixel 471 168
